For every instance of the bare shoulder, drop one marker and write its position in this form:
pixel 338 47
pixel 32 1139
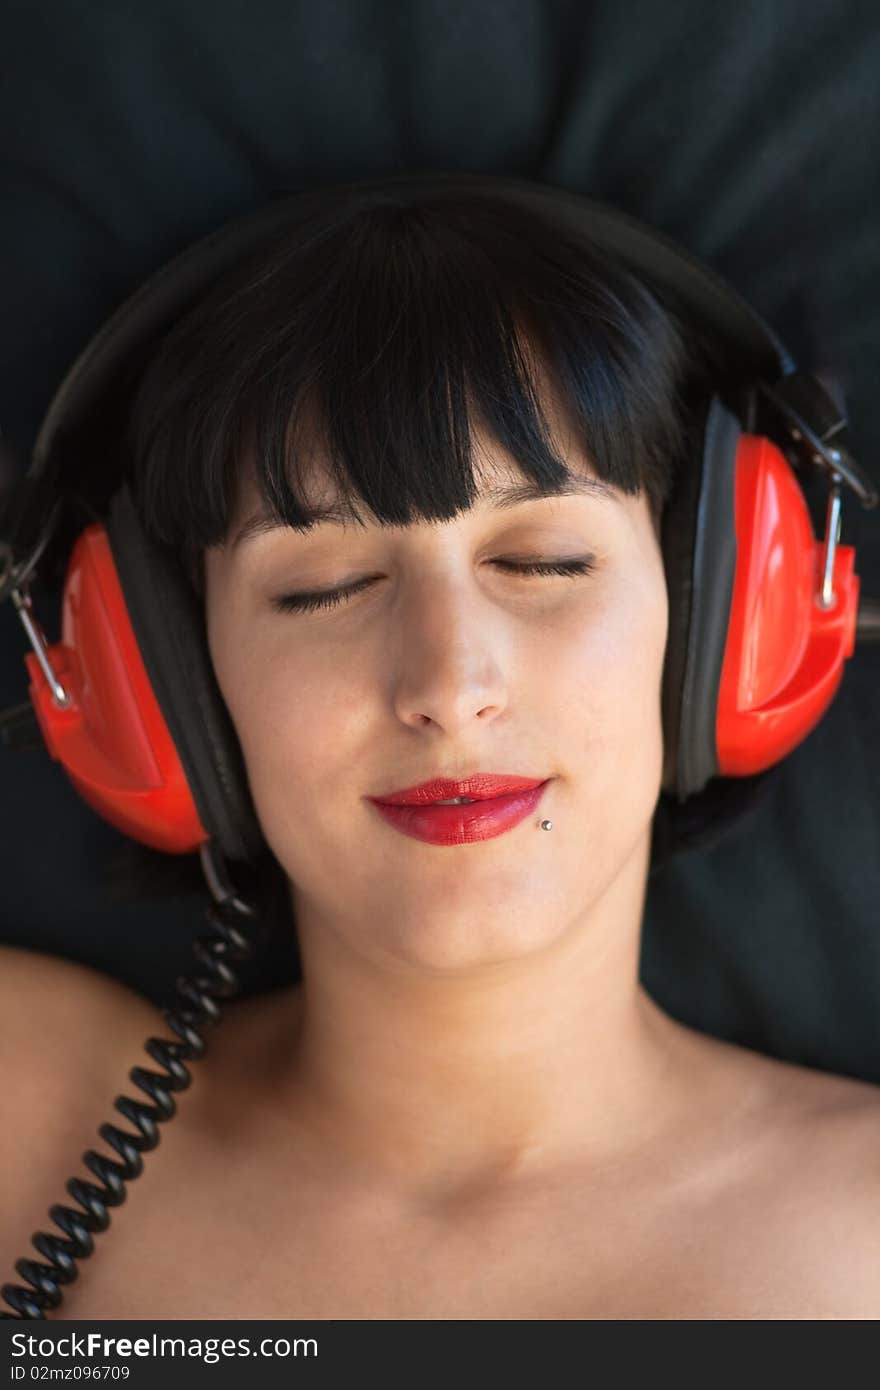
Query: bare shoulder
pixel 61 1016
pixel 815 1185
pixel 829 1115
pixel 840 1121
pixel 69 1035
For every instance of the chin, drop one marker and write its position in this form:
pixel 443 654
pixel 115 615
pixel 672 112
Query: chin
pixel 466 930
pixel 452 948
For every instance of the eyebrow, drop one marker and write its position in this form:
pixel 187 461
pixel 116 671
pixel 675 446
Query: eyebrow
pixel 498 498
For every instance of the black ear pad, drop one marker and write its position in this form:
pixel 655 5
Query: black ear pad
pixel 698 539
pixel 173 644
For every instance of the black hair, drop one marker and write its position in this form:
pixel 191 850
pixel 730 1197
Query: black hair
pixel 383 329
pixel 391 329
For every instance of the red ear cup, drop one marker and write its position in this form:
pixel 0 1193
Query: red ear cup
pixel 112 738
pixel 752 660
pixel 783 660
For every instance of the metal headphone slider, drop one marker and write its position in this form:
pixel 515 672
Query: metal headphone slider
pixel 15 575
pixel 15 581
pixel 22 600
pixel 795 397
pixel 826 598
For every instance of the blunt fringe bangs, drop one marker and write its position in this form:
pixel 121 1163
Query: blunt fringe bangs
pixel 380 337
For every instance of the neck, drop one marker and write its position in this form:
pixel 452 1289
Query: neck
pixel 440 1081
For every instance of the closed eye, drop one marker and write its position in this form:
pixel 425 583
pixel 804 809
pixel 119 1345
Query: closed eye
pixel 329 598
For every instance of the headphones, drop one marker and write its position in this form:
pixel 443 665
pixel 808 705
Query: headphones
pixel 762 614
pixel 762 617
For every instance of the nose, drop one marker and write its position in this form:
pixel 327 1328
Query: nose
pixel 451 661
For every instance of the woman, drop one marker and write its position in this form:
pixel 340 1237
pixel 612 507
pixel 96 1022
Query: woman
pixel 418 465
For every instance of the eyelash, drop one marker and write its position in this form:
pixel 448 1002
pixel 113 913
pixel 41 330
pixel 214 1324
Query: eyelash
pixel 330 598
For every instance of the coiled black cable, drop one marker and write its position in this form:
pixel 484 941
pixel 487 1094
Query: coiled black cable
pixel 213 949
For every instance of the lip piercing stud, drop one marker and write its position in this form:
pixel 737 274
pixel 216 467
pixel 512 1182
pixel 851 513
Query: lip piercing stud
pixel 546 825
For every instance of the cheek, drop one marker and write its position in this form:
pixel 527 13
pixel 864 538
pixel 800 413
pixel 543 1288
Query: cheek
pixel 298 723
pixel 613 653
pixel 612 669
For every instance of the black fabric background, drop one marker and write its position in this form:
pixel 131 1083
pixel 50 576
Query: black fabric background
pixel 747 132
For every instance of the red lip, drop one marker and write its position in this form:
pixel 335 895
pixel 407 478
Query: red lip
pixel 481 786
pixel 458 825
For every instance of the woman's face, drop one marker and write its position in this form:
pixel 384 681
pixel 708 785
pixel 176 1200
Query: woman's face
pixel 444 665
